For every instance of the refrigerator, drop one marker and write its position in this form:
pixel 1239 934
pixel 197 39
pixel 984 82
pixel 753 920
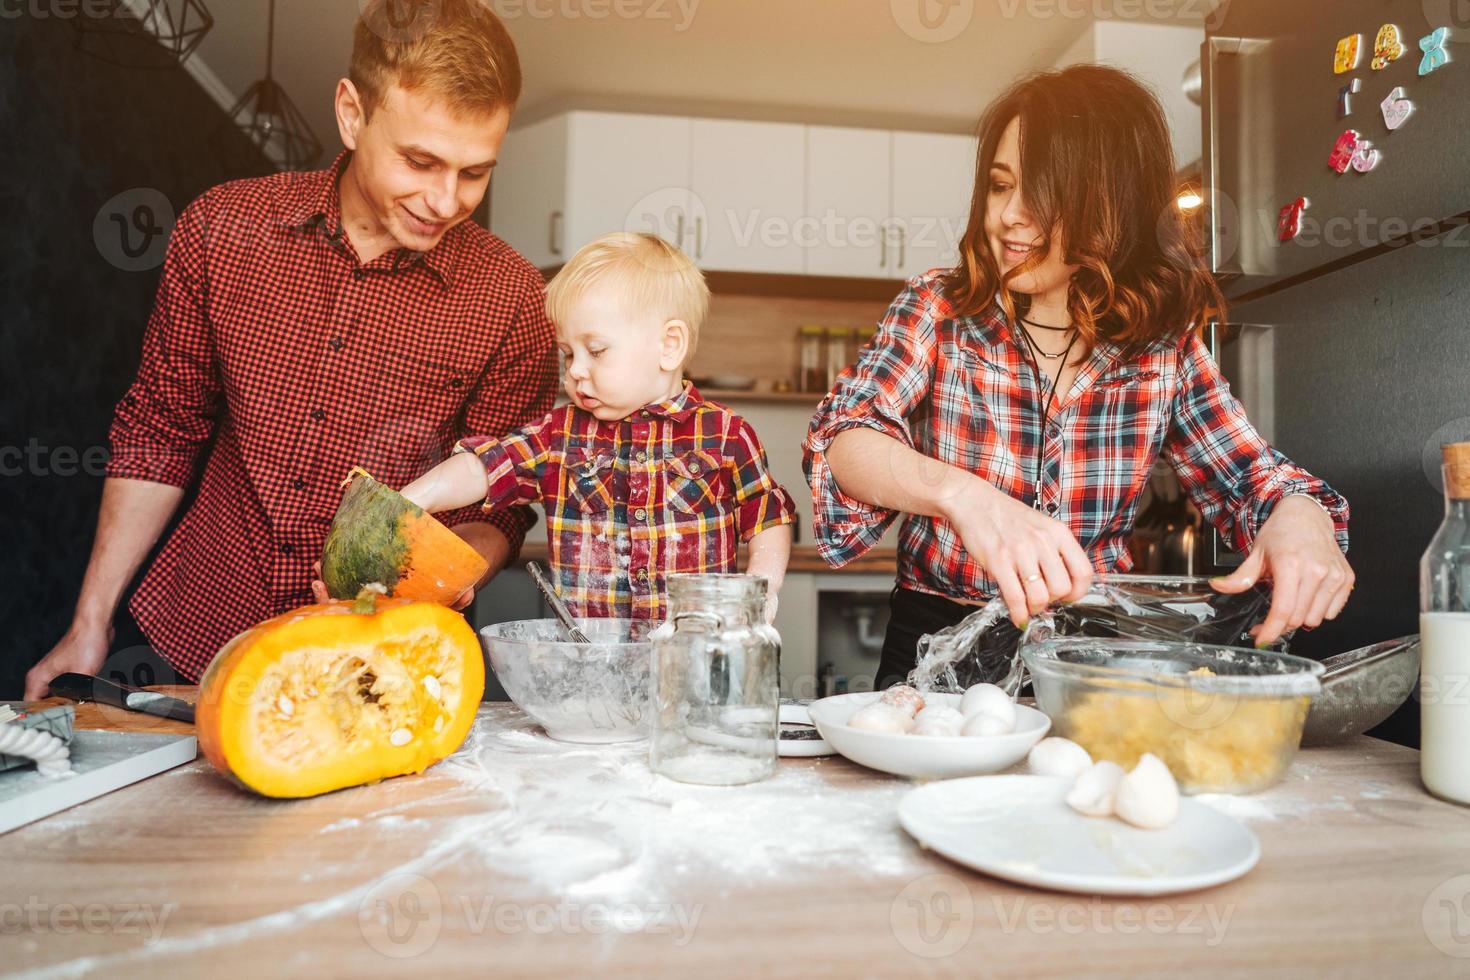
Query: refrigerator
pixel 1353 254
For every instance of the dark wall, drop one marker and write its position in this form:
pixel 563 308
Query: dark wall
pixel 75 133
pixel 1372 367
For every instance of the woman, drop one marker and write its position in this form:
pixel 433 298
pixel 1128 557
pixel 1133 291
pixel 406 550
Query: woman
pixel 1013 406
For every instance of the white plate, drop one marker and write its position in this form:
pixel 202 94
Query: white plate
pixel 801 748
pixel 925 756
pixel 1020 828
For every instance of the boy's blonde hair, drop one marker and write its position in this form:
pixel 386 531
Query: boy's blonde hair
pixel 654 276
pixel 455 50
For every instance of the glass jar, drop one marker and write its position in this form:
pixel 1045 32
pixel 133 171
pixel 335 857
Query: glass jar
pixel 839 351
pixel 813 357
pixel 716 683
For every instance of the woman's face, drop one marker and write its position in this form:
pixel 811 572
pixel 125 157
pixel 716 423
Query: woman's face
pixel 1012 234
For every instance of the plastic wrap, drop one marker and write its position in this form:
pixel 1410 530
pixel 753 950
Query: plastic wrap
pixel 982 647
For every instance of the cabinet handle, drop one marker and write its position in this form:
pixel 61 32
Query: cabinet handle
pixel 553 233
pixel 903 246
pixel 679 229
pixel 883 246
pixel 699 236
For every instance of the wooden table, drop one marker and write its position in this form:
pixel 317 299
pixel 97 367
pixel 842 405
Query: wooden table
pixel 520 856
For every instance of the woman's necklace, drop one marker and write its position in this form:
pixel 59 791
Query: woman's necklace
pixel 1031 341
pixel 1041 326
pixel 1045 413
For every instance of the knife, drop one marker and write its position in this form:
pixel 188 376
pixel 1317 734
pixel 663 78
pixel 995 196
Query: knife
pixel 85 687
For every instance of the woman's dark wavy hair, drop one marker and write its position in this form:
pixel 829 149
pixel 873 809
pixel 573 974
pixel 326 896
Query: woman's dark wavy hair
pixel 1096 163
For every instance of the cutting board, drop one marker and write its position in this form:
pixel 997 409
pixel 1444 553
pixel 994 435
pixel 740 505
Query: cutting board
pixel 102 762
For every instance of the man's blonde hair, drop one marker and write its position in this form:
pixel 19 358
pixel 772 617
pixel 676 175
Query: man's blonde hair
pixel 457 51
pixel 653 275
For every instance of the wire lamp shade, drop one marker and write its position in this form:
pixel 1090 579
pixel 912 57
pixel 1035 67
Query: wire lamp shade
pixel 142 33
pixel 266 114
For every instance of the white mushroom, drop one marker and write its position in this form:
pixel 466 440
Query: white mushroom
pixel 939 720
pixel 985 724
pixel 1093 792
pixel 1148 796
pixel 1058 757
pixel 880 717
pixel 987 699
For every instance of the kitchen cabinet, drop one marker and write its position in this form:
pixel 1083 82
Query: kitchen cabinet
pixel 848 196
pixel 738 196
pixel 748 195
pixel 528 194
pixel 933 183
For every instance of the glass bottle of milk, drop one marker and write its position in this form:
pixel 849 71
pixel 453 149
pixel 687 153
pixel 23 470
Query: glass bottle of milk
pixel 1444 630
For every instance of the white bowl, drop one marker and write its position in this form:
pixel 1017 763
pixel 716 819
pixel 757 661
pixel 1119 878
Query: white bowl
pixel 925 756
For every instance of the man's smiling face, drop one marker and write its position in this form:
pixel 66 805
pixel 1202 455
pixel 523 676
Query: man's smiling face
pixel 420 167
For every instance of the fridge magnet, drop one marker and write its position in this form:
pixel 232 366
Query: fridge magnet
pixel 1388 47
pixel 1436 55
pixel 1345 98
pixel 1346 58
pixel 1395 108
pixel 1289 224
pixel 1365 157
pixel 1343 150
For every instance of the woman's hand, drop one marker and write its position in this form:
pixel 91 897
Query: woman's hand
pixel 1034 559
pixel 1310 579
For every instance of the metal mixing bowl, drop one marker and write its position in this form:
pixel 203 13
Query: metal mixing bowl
pixel 1361 688
pixel 597 692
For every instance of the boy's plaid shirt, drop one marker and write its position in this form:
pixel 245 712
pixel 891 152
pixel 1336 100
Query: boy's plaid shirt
pixel 673 488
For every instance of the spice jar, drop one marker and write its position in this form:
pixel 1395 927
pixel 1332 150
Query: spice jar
pixel 716 683
pixel 839 340
pixel 813 358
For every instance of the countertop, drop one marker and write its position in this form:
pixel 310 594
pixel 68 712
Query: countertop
pixel 522 856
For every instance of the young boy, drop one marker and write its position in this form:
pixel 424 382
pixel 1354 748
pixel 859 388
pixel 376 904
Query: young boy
pixel 640 476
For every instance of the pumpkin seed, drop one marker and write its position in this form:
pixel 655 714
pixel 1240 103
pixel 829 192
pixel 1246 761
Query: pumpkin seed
pixel 284 705
pixel 431 684
pixel 401 736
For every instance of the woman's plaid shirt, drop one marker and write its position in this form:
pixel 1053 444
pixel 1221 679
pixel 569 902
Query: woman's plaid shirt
pixel 960 389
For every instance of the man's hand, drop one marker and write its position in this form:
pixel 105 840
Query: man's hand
pixel 81 651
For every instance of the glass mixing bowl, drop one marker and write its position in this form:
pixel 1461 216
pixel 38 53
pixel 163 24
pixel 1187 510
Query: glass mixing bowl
pixel 597 692
pixel 1224 719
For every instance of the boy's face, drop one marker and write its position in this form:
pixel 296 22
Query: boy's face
pixel 420 168
pixel 618 359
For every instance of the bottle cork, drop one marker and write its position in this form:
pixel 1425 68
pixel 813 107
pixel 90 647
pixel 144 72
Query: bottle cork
pixel 1457 470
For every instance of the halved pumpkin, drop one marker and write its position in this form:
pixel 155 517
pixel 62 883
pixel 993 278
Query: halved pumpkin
pixel 340 694
pixel 379 537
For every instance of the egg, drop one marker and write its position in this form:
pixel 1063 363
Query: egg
pixel 1148 796
pixel 1095 789
pixel 938 719
pixel 1058 757
pixel 983 724
pixel 904 698
pixel 883 718
pixel 988 699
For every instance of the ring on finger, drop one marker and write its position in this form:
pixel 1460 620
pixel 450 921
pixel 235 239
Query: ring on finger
pixel 1035 577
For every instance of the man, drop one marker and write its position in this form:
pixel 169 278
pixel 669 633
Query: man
pixel 310 322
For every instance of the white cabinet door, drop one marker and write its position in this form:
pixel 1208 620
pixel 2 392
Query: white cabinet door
pixel 847 202
pixel 933 181
pixel 628 172
pixel 748 195
pixel 528 191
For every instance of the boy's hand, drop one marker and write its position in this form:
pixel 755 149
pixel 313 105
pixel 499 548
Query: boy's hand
pixel 318 587
pixel 772 601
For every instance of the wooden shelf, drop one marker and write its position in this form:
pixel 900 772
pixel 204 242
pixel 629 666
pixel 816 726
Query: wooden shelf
pixel 804 559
